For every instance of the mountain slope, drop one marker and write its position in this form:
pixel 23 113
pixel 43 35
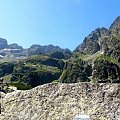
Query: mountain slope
pixel 101 49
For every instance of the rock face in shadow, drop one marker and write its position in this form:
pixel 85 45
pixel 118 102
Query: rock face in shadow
pixel 63 102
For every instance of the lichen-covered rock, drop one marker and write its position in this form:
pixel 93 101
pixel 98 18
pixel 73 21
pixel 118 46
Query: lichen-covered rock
pixel 63 102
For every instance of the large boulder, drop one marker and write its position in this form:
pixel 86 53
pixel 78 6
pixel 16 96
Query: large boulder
pixel 63 102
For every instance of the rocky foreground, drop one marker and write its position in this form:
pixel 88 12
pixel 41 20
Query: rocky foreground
pixel 63 102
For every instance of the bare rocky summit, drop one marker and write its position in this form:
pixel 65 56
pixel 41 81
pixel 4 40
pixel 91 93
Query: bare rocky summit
pixel 63 102
pixel 90 44
pixel 99 39
pixel 115 27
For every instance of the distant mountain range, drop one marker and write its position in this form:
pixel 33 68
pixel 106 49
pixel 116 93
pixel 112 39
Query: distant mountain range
pixel 14 50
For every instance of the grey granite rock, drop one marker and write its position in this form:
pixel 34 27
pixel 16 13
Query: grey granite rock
pixel 63 102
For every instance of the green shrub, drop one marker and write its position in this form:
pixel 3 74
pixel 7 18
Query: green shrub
pixel 20 85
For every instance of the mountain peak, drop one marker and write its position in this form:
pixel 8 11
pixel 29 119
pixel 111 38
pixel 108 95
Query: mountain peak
pixel 117 19
pixel 115 27
pixel 90 44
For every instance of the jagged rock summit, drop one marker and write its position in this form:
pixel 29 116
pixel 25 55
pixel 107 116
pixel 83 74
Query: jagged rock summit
pixel 63 102
pixel 90 44
pixel 15 50
pixel 115 27
pixel 94 41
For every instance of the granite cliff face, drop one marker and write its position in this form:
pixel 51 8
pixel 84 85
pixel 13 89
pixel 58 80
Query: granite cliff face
pixel 63 102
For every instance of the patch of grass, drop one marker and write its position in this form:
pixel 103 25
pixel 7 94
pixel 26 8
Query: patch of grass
pixel 56 81
pixel 116 37
pixel 7 78
pixel 20 85
pixel 109 59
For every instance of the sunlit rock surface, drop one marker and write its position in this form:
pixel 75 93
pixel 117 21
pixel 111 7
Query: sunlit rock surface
pixel 63 102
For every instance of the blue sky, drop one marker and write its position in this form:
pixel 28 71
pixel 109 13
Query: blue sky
pixel 59 22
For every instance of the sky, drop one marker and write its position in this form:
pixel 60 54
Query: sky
pixel 59 22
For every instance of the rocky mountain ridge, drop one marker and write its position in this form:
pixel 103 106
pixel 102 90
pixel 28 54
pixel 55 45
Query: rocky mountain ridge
pixel 115 27
pixel 95 40
pixel 101 49
pixel 90 44
pixel 14 50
